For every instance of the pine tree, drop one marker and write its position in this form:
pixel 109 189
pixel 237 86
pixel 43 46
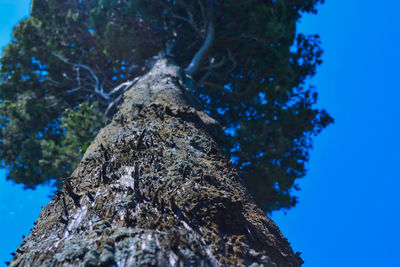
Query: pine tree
pixel 179 87
pixel 64 73
pixel 153 189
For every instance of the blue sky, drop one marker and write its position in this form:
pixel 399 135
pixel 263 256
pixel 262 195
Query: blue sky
pixel 348 213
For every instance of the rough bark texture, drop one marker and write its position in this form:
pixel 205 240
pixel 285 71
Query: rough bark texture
pixel 154 190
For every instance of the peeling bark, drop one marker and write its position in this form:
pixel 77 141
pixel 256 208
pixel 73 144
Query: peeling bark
pixel 154 190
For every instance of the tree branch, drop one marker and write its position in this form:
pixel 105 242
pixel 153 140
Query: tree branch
pixel 203 12
pixel 214 65
pixel 194 65
pixel 123 86
pixel 98 88
pixel 112 103
pixel 188 20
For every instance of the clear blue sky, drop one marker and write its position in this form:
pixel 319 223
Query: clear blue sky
pixel 348 213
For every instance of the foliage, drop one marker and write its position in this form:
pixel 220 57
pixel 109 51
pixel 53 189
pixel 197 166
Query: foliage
pixel 70 53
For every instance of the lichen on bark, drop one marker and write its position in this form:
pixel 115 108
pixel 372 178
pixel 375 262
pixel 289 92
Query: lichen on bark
pixel 153 189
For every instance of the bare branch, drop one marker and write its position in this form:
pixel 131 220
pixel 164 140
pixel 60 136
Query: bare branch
pixel 215 65
pixel 97 87
pixel 191 22
pixel 124 86
pixel 54 82
pixel 112 103
pixel 74 90
pixel 67 77
pixel 78 77
pixel 194 65
pixel 188 20
pixel 203 12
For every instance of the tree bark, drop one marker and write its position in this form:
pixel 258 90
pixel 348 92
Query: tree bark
pixel 153 189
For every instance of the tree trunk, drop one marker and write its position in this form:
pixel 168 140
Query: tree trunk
pixel 153 189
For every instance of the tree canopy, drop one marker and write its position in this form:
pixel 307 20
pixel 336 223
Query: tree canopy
pixel 68 64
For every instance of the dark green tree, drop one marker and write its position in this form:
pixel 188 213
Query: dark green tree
pixel 64 73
